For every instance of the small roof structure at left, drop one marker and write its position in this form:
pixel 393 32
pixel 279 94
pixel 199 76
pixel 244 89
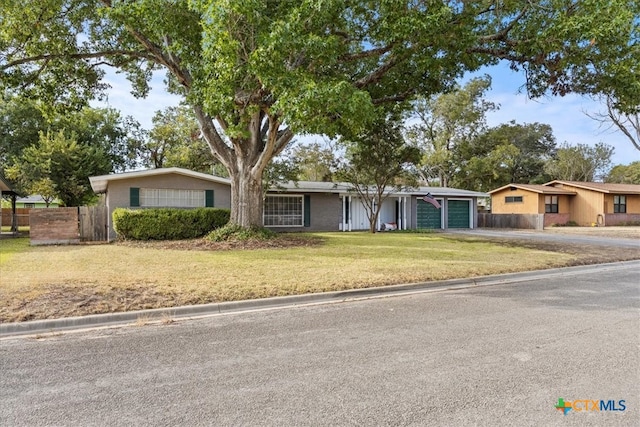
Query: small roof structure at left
pixel 6 188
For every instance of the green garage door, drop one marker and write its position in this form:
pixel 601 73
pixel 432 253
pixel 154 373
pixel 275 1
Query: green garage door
pixel 428 215
pixel 458 214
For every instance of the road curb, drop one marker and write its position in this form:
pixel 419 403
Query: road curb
pixel 191 311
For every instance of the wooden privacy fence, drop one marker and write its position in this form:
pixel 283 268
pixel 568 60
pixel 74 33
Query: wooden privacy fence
pixel 93 223
pixel 64 226
pixel 526 221
pixel 22 216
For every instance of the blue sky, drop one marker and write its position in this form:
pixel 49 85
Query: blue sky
pixel 566 115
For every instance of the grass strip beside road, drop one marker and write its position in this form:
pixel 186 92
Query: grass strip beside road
pixel 59 281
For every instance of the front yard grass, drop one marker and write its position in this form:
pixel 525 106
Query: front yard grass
pixel 57 281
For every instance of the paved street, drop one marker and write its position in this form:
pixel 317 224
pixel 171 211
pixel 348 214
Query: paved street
pixel 497 355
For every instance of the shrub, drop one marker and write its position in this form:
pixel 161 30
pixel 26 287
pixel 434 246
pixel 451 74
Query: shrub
pixel 167 223
pixel 234 232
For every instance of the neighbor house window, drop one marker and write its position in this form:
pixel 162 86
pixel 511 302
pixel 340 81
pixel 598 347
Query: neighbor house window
pixel 619 204
pixel 29 205
pixel 283 211
pixel 513 199
pixel 170 198
pixel 551 204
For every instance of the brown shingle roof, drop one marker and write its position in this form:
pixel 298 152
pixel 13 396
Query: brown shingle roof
pixel 541 189
pixel 601 187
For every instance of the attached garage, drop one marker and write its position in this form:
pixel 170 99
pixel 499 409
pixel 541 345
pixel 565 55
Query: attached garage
pixel 428 216
pixel 459 213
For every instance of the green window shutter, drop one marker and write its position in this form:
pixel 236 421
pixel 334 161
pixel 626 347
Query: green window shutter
pixel 208 198
pixel 134 197
pixel 307 210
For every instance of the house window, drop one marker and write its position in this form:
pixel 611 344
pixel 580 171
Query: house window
pixel 550 204
pixel 170 198
pixel 513 199
pixel 29 205
pixel 283 211
pixel 619 204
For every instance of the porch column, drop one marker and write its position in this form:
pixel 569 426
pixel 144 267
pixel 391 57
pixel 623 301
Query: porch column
pixel 404 213
pixel 350 213
pixel 344 214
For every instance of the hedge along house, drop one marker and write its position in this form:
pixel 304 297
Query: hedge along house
pixel 293 206
pixel 585 203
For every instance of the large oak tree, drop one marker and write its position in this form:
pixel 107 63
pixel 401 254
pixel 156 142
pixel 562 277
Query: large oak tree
pixel 256 72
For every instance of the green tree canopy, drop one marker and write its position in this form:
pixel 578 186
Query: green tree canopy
pixel 59 165
pixel 101 131
pixel 625 174
pixel 445 122
pixel 509 153
pixel 175 141
pixel 258 71
pixel 580 162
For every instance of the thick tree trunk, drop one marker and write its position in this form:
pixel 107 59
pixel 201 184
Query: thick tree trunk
pixel 246 198
pixel 245 159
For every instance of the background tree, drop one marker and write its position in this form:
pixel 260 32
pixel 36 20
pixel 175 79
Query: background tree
pixel 315 161
pixel 444 123
pixel 258 72
pixel 20 124
pixel 580 162
pixel 23 120
pixel 509 153
pixel 625 174
pixel 175 140
pixel 61 166
pixel 376 165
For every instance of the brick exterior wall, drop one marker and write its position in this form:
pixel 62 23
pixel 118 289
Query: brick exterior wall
pixel 54 226
pixel 620 219
pixel 556 219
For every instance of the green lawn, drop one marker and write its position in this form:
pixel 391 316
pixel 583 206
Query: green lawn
pixel 41 282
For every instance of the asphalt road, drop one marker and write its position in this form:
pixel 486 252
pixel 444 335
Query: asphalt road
pixel 496 355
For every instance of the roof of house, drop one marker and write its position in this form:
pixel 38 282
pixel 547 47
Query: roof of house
pixel 601 187
pixel 100 183
pixel 540 189
pixel 344 187
pixel 5 187
pixel 34 198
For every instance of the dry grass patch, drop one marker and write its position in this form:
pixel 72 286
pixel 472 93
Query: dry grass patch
pixel 49 282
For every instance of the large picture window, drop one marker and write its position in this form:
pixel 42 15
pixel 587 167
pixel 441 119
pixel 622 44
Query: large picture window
pixel 619 204
pixel 170 198
pixel 283 211
pixel 551 204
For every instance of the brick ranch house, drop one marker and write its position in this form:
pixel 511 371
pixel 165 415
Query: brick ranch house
pixel 585 203
pixel 295 206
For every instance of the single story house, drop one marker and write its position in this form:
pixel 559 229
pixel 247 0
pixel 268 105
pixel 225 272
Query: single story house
pixel 585 203
pixel 294 206
pixel 35 201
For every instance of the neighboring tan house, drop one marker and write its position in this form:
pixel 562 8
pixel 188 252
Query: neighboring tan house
pixel 584 203
pixel 295 206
